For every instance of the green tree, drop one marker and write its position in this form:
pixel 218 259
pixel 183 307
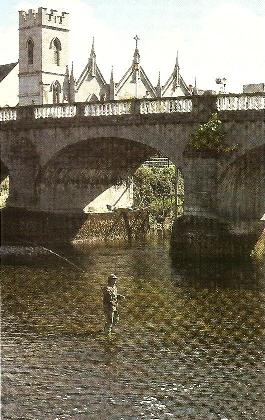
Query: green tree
pixel 155 188
pixel 210 137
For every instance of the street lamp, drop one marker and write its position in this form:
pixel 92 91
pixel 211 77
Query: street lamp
pixel 221 81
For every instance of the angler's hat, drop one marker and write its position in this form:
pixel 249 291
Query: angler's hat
pixel 112 277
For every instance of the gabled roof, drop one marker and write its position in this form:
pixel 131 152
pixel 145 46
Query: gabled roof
pixel 176 77
pixel 87 71
pixel 5 69
pixel 143 76
pixel 91 69
pixel 171 80
pixel 134 71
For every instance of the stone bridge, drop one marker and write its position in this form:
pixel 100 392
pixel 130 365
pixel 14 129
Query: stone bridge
pixel 59 158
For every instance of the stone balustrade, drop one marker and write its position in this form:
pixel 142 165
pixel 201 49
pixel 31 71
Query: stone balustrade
pixel 55 111
pixel 240 102
pixel 8 114
pixel 159 106
pixel 108 108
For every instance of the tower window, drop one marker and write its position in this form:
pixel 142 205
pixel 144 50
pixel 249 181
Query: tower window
pixel 30 46
pixel 56 49
pixel 56 90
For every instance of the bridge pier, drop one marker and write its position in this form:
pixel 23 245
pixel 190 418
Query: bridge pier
pixel 200 171
pixel 22 165
pixel 22 189
pixel 197 237
pixel 203 231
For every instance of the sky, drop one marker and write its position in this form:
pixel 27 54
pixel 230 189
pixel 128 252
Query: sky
pixel 213 38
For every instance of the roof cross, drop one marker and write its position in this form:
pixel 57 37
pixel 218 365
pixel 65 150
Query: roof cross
pixel 136 41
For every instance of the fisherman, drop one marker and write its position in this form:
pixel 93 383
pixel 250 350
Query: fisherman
pixel 110 303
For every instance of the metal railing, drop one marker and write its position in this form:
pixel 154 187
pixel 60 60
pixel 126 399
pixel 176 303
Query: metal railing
pixel 231 102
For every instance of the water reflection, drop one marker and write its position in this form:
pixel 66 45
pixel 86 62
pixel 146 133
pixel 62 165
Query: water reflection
pixel 216 274
pixel 189 344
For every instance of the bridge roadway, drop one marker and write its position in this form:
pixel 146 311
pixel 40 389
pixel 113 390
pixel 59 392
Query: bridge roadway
pixel 60 157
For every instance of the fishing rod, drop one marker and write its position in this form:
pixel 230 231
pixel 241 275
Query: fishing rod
pixel 63 258
pixel 56 254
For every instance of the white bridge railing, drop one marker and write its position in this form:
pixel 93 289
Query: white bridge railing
pixel 109 108
pixel 159 106
pixel 8 114
pixel 55 111
pixel 240 102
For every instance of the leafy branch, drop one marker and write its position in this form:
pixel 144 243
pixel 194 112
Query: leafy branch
pixel 210 137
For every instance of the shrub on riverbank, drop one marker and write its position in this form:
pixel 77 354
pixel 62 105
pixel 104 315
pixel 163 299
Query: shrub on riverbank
pixel 155 189
pixel 259 251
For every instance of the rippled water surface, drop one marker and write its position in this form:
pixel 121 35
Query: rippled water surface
pixel 189 345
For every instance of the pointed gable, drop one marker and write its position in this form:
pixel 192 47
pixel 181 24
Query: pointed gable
pixel 9 84
pixel 175 85
pixel 5 69
pixel 91 85
pixel 135 83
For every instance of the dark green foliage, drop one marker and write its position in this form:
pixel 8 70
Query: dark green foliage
pixel 210 137
pixel 155 189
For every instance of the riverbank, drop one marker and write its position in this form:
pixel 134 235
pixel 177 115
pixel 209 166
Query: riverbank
pixel 30 226
pixel 259 250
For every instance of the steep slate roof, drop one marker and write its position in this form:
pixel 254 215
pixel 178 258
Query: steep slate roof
pixel 5 69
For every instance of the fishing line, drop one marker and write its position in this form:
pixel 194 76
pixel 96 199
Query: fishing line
pixel 63 258
pixel 57 255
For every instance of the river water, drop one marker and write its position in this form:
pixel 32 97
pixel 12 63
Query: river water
pixel 189 345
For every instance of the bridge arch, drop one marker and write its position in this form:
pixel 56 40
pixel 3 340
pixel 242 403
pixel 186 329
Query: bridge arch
pixel 82 171
pixel 167 140
pixel 21 159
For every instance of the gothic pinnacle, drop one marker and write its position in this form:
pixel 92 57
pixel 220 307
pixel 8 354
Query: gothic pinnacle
pixel 158 86
pixel 195 90
pixel 111 75
pixel 92 59
pixel 176 70
pixel 112 85
pixel 177 60
pixel 66 85
pixel 93 47
pixel 158 81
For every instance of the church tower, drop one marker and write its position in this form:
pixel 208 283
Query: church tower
pixel 43 56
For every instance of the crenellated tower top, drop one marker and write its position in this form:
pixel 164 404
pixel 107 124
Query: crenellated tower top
pixel 43 17
pixel 43 55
